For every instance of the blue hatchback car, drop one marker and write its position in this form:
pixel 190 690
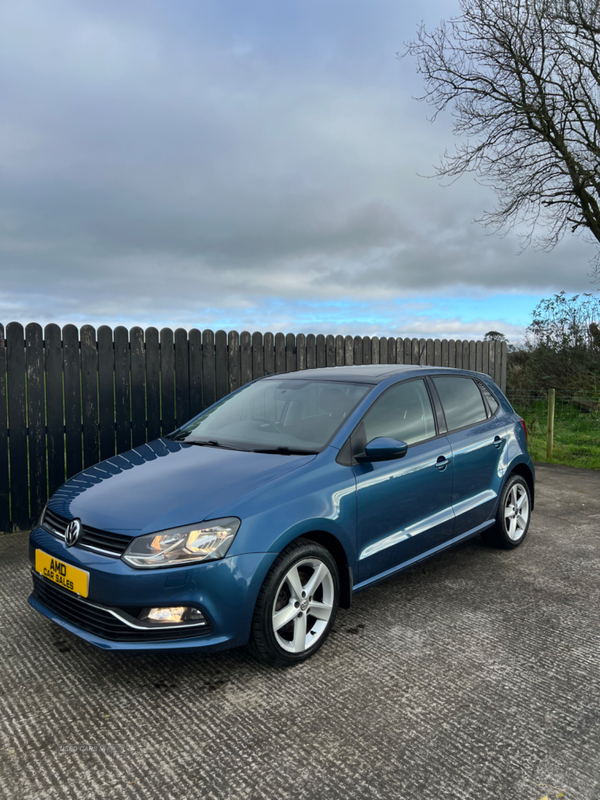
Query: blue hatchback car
pixel 261 516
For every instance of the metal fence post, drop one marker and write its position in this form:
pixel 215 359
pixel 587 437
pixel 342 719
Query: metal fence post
pixel 550 431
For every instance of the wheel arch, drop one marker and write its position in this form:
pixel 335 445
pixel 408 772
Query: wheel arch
pixel 527 474
pixel 335 547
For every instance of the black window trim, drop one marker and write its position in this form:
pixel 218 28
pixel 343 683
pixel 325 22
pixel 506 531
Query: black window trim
pixel 437 405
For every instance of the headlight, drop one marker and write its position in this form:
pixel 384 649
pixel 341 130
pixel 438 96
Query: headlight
pixel 207 541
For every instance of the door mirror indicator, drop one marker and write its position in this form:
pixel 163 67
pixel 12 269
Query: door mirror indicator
pixel 383 448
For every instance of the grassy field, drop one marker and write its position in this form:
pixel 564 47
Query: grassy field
pixel 576 433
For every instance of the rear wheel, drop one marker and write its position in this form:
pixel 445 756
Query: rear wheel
pixel 297 604
pixel 513 515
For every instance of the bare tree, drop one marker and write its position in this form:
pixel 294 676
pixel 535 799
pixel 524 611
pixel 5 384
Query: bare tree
pixel 522 78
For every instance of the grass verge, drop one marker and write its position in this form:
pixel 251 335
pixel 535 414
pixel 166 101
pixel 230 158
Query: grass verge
pixel 576 432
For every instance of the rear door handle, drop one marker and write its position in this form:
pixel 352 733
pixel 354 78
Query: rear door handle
pixel 442 463
pixel 498 442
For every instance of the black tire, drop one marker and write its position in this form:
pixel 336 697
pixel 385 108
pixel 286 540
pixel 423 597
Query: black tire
pixel 500 534
pixel 272 647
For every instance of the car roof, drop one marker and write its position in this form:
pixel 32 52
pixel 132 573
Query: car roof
pixel 366 373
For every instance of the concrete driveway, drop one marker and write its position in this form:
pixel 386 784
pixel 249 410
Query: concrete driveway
pixel 475 675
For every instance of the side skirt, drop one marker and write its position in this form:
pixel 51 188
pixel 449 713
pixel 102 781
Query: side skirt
pixel 423 556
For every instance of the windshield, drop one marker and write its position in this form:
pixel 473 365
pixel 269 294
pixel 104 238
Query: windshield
pixel 276 415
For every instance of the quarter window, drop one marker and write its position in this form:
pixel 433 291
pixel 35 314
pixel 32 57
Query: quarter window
pixel 489 399
pixel 461 400
pixel 403 412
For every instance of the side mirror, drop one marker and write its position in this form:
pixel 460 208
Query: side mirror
pixel 383 448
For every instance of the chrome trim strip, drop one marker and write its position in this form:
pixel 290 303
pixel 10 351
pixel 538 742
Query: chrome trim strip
pixel 81 545
pixel 120 615
pixel 53 531
pixel 429 522
pixel 99 550
pixel 472 502
pixel 381 576
pixel 150 626
pixel 405 533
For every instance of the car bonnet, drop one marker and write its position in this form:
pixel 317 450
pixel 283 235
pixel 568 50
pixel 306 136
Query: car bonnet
pixel 164 484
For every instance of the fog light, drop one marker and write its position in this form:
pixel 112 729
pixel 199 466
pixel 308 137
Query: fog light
pixel 173 615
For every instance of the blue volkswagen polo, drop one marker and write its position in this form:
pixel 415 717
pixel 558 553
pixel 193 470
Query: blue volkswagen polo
pixel 257 519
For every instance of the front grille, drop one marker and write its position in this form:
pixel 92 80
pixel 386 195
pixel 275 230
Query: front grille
pixel 111 544
pixel 101 622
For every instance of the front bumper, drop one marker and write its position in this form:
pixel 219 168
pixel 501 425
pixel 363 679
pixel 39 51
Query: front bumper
pixel 224 590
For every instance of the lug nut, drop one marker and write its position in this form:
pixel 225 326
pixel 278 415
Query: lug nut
pixel 297 604
pixel 303 594
pixel 299 615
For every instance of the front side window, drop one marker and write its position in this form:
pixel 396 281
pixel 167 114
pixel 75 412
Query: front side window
pixel 277 414
pixel 403 412
pixel 461 400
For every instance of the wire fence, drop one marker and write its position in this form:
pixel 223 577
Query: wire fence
pixel 576 426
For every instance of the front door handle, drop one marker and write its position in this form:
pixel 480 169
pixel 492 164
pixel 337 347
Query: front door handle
pixel 442 463
pixel 498 442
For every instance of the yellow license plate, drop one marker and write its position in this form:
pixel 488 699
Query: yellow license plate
pixel 71 578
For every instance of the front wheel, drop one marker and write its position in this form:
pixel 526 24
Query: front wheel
pixel 513 515
pixel 297 604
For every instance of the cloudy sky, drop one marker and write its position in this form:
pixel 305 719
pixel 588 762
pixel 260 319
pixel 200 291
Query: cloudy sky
pixel 243 165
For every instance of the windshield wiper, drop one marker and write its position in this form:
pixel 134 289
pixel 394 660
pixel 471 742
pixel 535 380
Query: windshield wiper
pixel 282 451
pixel 286 451
pixel 211 443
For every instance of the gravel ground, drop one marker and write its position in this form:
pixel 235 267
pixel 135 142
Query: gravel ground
pixel 474 675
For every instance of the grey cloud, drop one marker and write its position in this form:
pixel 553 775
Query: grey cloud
pixel 150 164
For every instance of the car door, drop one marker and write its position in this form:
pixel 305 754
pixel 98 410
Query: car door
pixel 477 438
pixel 404 506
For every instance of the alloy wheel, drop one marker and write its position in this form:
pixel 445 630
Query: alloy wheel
pixel 303 605
pixel 516 512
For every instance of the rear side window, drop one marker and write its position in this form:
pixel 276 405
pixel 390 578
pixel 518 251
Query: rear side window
pixel 403 412
pixel 461 400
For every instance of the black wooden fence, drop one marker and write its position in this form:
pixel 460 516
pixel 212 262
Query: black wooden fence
pixel 70 398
